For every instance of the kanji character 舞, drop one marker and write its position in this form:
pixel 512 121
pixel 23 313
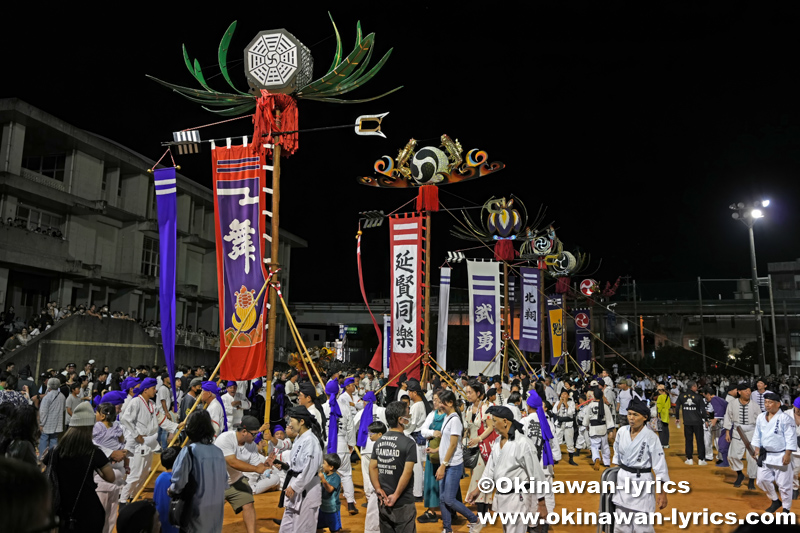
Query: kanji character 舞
pixel 240 237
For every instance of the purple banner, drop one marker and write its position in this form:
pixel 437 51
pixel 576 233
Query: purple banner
pixel 484 300
pixel 583 338
pixel 529 337
pixel 167 202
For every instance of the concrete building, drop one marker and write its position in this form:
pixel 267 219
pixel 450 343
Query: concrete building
pixel 93 203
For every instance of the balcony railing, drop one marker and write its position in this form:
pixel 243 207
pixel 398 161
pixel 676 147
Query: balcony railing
pixel 42 180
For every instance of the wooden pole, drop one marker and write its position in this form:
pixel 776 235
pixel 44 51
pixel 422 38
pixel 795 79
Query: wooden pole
pixel 543 321
pixel 426 347
pixel 294 329
pixel 211 378
pixel 416 360
pixel 273 262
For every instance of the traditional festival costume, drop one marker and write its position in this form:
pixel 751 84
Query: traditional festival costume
pixel 302 509
pixel 636 458
pixel 773 437
pixel 141 418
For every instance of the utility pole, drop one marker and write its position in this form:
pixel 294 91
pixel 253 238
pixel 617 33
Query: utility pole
pixel 702 327
pixel 762 363
pixel 774 331
pixel 635 315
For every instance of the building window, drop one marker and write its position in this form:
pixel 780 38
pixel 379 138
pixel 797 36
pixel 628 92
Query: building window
pixel 119 187
pixel 51 166
pixel 33 217
pixel 150 257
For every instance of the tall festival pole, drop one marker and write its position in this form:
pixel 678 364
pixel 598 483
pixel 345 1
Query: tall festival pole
pixel 427 303
pixel 506 321
pixel 273 263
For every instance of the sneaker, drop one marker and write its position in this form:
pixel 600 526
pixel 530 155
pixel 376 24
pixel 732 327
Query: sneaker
pixel 351 508
pixel 475 527
pixel 701 462
pixel 428 517
pixel 665 446
pixel 689 461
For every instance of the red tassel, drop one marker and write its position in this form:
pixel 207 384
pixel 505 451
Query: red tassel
pixel 562 285
pixel 264 122
pixel 428 199
pixel 504 250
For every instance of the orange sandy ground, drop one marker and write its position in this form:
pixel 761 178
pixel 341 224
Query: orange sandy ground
pixel 711 488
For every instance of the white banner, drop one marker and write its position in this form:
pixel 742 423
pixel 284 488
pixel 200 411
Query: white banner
pixel 485 339
pixel 444 316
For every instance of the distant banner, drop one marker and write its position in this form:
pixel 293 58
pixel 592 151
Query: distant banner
pixel 484 325
pixel 529 339
pixel 167 203
pixel 405 234
pixel 583 338
pixel 387 343
pixel 239 204
pixel 444 316
pixel 512 303
pixel 556 315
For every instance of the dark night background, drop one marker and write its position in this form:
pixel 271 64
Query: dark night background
pixel 636 126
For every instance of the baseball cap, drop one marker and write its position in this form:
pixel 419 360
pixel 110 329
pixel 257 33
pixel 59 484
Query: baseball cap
pixel 250 423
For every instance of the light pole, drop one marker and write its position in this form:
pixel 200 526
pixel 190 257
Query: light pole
pixel 748 214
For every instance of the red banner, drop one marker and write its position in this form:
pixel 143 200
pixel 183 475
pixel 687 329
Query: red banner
pixel 239 204
pixel 405 235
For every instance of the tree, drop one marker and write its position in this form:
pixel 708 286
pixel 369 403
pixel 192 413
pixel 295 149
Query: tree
pixel 716 351
pixel 677 359
pixel 749 357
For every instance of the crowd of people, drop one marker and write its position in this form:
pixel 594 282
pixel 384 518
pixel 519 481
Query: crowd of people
pixel 18 331
pixel 91 436
pixel 22 223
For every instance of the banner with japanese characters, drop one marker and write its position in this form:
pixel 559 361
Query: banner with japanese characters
pixel 405 236
pixel 556 315
pixel 239 204
pixel 529 339
pixel 583 338
pixel 444 315
pixel 485 339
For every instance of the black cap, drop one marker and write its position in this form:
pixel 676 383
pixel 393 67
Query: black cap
pixel 731 387
pixel 743 385
pixel 638 406
pixel 250 423
pixel 772 396
pixel 413 385
pixel 308 389
pixel 500 411
pixel 301 413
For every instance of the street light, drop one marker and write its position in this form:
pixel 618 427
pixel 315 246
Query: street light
pixel 748 214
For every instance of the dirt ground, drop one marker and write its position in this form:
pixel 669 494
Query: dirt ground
pixel 711 488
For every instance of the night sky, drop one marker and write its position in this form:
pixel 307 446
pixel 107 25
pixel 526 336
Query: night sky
pixel 635 126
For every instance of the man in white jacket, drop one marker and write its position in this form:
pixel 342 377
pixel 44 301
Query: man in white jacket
pixel 140 422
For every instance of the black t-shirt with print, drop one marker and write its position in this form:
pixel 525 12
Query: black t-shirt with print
pixel 392 451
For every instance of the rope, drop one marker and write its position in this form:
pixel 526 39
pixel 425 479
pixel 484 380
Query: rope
pixel 220 122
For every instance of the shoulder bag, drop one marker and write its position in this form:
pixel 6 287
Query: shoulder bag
pixel 178 502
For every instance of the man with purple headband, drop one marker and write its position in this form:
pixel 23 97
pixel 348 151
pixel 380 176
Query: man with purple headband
pixel 536 427
pixel 140 422
pixel 371 413
pixel 216 409
pixel 342 435
pixel 235 404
